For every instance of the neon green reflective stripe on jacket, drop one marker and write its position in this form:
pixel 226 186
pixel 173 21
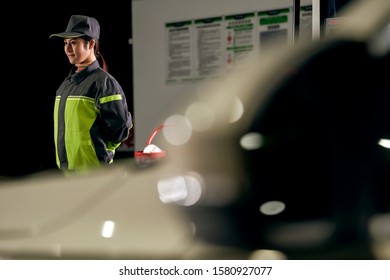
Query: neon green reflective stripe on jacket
pixel 56 105
pixel 110 98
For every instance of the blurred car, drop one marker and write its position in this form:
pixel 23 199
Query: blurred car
pixel 284 159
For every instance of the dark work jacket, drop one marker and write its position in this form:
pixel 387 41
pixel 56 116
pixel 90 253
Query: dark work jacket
pixel 91 119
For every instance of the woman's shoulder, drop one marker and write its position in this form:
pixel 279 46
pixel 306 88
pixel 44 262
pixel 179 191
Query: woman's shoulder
pixel 106 78
pixel 103 74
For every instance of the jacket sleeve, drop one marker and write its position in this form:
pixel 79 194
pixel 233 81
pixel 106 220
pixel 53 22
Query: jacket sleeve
pixel 114 114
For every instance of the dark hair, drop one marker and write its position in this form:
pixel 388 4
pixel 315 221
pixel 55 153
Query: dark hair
pixel 99 56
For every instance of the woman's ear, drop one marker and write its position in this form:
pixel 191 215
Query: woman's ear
pixel 92 43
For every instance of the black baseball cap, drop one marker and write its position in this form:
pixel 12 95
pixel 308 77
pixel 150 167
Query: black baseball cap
pixel 80 25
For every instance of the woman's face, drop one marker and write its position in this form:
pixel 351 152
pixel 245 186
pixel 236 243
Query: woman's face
pixel 78 50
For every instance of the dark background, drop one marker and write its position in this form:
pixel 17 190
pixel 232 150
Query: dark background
pixel 35 65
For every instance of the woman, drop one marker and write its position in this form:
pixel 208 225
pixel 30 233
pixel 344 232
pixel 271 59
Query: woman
pixel 91 117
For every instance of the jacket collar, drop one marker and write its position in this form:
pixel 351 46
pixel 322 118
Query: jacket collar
pixel 79 76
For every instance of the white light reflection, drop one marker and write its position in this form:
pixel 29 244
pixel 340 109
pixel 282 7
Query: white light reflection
pixel 384 143
pixel 237 110
pixel 193 228
pixel 200 115
pixel 272 207
pixel 177 130
pixel 108 229
pixel 251 141
pixel 267 255
pixel 182 190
